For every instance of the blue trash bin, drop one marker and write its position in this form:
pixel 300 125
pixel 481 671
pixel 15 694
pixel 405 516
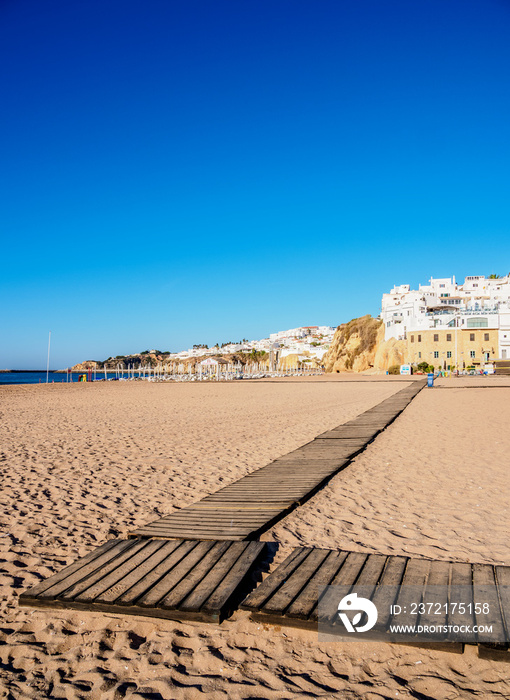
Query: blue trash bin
pixel 430 379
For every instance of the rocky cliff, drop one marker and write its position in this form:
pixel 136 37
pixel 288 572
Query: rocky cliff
pixel 359 346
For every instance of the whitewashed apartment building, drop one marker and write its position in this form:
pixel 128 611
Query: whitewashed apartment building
pixel 479 302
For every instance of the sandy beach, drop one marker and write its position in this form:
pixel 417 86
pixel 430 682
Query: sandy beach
pixel 85 463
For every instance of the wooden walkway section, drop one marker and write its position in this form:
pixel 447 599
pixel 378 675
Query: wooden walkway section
pixel 253 504
pixel 291 594
pixel 177 579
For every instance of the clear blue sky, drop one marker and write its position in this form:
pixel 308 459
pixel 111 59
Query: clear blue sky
pixel 182 172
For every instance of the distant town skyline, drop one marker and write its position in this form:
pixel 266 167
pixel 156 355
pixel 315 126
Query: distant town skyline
pixel 180 173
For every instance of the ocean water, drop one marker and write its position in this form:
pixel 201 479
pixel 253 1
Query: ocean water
pixel 40 377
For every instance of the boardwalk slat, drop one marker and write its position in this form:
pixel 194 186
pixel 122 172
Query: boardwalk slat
pixel 503 579
pixel 220 571
pixel 291 588
pixel 346 576
pixel 107 581
pixel 437 592
pixel 308 599
pixel 414 580
pixel 180 591
pixel 485 591
pixel 80 586
pixel 85 570
pixel 197 534
pixel 227 586
pixel 150 578
pixel 371 572
pixel 137 582
pixel 91 556
pixel 174 575
pixel 272 583
pixel 386 592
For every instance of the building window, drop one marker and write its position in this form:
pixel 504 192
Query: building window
pixel 486 336
pixel 412 339
pixel 477 322
pixel 471 353
pixel 471 336
pixel 419 338
pixel 448 337
pixel 436 354
pixel 436 337
pixel 448 354
pixel 419 355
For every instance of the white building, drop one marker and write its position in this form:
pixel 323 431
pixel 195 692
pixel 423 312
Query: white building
pixel 480 302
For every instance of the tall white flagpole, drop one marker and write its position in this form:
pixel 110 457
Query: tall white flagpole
pixel 48 363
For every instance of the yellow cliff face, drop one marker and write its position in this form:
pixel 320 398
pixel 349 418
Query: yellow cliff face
pixel 359 346
pixel 84 366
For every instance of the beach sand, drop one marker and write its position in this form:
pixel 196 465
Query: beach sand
pixel 85 463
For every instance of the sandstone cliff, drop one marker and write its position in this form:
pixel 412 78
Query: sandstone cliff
pixel 359 346
pixel 84 366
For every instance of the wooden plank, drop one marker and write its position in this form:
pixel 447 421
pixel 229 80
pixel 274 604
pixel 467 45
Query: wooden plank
pixel 350 569
pixel 493 652
pixel 500 651
pixel 340 456
pixel 205 527
pixel 50 582
pixel 89 568
pixel 412 587
pixel 485 591
pixel 229 523
pixel 365 432
pixel 228 506
pixel 337 435
pixel 228 585
pixel 503 581
pixel 195 533
pixel 262 493
pixel 215 515
pixel 223 518
pixel 180 590
pixel 295 583
pixel 461 580
pixel 109 578
pixel 78 588
pixel 386 591
pixel 261 499
pixel 219 571
pixel 371 572
pixel 209 537
pixel 175 575
pixel 289 462
pixel 436 592
pixel 273 582
pixel 303 606
pixel 147 574
pixel 346 576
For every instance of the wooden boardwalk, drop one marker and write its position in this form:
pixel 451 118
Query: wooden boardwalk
pixel 291 594
pixel 177 579
pixel 253 504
